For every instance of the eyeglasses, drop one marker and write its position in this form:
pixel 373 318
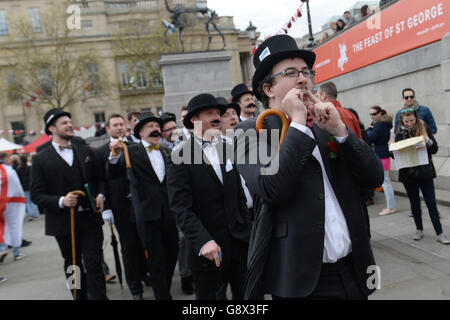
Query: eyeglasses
pixel 408 97
pixel 407 110
pixel 169 129
pixel 374 114
pixel 294 73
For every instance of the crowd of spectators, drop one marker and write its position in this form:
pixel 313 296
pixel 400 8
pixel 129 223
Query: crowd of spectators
pixel 348 20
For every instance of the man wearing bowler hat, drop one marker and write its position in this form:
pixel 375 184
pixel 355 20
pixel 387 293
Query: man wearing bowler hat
pixel 228 120
pixel 243 96
pixel 58 170
pixel 312 239
pixel 206 194
pixel 169 135
pixel 155 221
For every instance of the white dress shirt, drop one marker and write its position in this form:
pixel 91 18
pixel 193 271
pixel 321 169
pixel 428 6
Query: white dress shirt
pixel 243 118
pixel 66 154
pixel 337 243
pixel 157 161
pixel 210 152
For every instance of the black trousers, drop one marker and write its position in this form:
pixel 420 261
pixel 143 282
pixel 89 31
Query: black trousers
pixel 428 191
pixel 131 248
pixel 161 238
pixel 208 282
pixel 88 256
pixel 337 282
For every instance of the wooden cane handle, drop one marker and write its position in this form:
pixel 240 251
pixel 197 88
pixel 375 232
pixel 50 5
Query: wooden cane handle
pixel 281 115
pixel 125 153
pixel 80 193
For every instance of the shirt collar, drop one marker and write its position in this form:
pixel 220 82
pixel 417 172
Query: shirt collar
pixel 56 146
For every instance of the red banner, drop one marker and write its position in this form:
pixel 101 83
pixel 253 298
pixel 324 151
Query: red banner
pixel 403 26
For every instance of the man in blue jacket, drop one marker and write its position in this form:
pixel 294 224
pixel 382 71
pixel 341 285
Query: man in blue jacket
pixel 409 99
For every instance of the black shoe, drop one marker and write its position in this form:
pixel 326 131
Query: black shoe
pixel 147 281
pixel 3 255
pixel 25 243
pixel 138 296
pixel 187 285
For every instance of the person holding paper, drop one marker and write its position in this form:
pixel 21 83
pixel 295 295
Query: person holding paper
pixel 420 177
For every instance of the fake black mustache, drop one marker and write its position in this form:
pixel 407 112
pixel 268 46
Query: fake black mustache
pixel 155 134
pixel 251 105
pixel 215 122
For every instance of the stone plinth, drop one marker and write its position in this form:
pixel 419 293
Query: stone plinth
pixel 188 74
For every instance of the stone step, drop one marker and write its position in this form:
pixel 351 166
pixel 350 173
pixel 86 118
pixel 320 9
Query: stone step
pixel 442 196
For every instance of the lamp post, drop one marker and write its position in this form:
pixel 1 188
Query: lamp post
pixel 251 29
pixel 311 37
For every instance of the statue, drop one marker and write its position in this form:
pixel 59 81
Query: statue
pixel 183 17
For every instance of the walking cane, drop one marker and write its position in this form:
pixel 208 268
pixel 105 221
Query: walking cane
pixel 128 166
pixel 281 115
pixel 72 235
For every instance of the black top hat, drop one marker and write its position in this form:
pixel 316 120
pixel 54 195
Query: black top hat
pixel 227 105
pixel 272 51
pixel 143 118
pixel 198 103
pixel 51 116
pixel 166 117
pixel 238 91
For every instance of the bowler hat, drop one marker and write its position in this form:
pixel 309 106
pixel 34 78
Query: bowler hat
pixel 51 116
pixel 227 105
pixel 198 103
pixel 166 117
pixel 143 118
pixel 272 51
pixel 238 91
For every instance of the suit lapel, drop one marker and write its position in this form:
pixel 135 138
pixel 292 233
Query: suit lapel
pixel 77 154
pixel 52 154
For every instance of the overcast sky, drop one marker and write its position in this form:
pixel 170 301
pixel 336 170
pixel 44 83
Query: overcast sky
pixel 269 16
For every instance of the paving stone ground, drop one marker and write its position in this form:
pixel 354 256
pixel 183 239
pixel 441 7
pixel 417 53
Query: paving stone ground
pixel 408 269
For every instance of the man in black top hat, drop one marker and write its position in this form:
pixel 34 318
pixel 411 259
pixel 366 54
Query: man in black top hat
pixel 155 221
pixel 243 96
pixel 58 170
pixel 206 194
pixel 313 238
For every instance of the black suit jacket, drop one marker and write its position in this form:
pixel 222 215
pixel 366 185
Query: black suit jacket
pixel 117 189
pixel 205 208
pixel 296 195
pixel 150 192
pixel 48 173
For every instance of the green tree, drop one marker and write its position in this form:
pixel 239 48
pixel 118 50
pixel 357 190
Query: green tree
pixel 44 59
pixel 140 44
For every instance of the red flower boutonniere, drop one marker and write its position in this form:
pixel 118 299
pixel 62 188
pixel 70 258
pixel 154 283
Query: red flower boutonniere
pixel 334 148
